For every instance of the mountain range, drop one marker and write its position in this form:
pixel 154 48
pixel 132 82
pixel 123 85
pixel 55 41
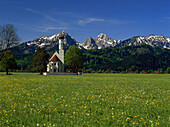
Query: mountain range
pixel 50 43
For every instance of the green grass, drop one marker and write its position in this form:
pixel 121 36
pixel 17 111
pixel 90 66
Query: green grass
pixel 123 100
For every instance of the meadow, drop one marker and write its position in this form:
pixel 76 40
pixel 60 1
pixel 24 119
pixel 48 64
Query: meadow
pixel 123 100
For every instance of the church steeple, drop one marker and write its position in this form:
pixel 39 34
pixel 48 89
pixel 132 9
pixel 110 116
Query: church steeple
pixel 61 42
pixel 61 53
pixel 56 63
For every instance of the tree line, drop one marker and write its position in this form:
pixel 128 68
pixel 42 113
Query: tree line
pixel 141 58
pixel 136 59
pixel 132 59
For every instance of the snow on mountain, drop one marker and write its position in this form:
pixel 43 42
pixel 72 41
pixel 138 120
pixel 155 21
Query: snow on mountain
pixel 152 40
pixel 90 44
pixel 50 43
pixel 101 41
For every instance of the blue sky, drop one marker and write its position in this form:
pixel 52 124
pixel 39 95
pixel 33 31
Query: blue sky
pixel 119 19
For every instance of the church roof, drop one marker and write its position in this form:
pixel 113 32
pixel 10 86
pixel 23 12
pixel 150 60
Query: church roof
pixel 54 58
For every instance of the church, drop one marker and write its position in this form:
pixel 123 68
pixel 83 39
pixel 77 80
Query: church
pixel 56 62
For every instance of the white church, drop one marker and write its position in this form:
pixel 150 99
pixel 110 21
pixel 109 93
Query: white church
pixel 56 62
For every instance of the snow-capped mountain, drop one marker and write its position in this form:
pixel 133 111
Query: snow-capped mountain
pixel 53 40
pixel 89 44
pixel 168 40
pixel 152 40
pixel 50 43
pixel 101 41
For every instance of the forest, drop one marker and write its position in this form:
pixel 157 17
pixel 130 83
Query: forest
pixel 142 58
pixel 127 59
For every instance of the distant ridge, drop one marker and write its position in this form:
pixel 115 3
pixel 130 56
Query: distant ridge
pixel 50 43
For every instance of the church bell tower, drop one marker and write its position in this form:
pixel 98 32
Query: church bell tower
pixel 61 52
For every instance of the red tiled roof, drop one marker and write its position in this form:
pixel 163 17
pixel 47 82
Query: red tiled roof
pixel 54 58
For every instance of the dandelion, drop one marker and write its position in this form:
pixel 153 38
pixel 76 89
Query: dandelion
pixel 157 123
pixel 150 121
pixel 113 116
pixel 133 122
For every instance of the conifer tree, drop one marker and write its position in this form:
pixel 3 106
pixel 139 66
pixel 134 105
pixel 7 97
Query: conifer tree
pixel 40 60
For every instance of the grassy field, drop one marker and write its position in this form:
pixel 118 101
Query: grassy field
pixel 30 100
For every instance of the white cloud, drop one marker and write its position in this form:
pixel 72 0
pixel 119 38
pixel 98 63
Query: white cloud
pixel 34 11
pixel 54 28
pixel 89 20
pixel 164 20
pixel 112 21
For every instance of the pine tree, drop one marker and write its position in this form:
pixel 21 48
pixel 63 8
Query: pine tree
pixel 40 60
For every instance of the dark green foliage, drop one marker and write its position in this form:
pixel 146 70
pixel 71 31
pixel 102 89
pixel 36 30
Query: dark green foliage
pixel 168 70
pixel 23 61
pixel 40 60
pixel 129 59
pixel 74 58
pixel 7 61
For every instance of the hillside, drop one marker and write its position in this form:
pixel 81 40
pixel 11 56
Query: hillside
pixel 131 58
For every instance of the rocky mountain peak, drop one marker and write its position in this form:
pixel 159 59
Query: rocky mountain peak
pixel 64 33
pixel 89 39
pixel 102 35
pixel 50 43
pixel 168 40
pixel 152 40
